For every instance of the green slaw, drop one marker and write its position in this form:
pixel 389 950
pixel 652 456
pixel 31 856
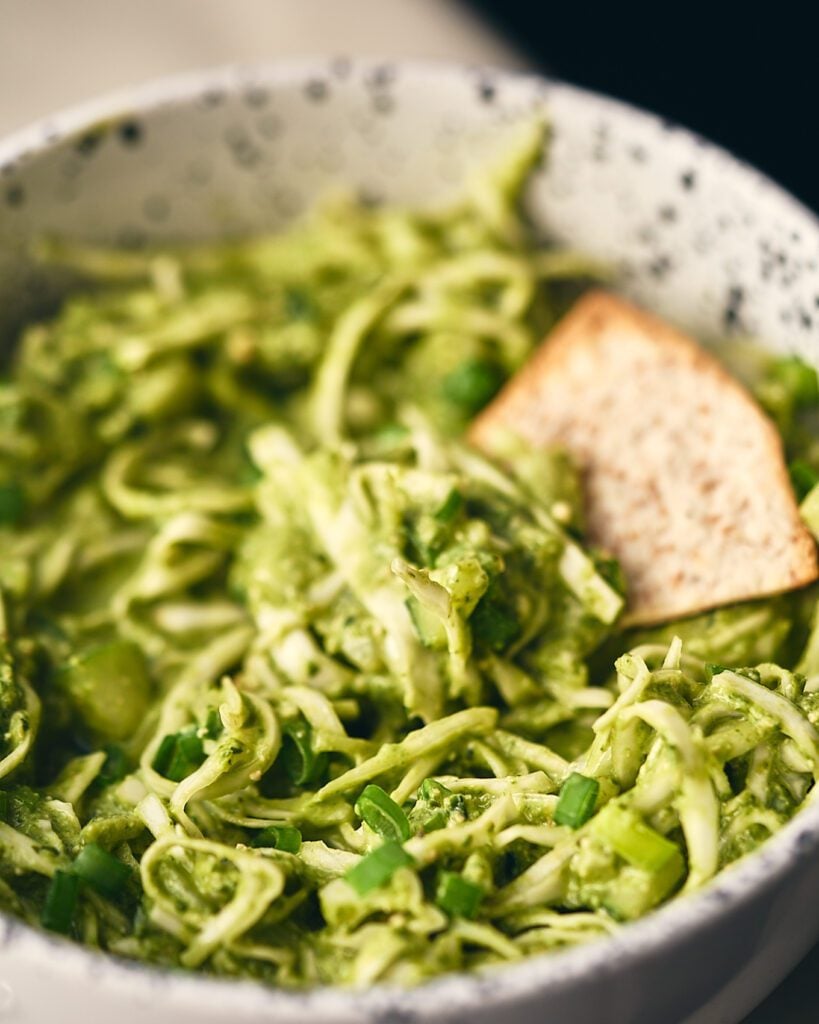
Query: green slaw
pixel 296 686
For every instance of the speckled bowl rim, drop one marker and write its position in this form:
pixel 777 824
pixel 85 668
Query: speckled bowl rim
pixel 457 993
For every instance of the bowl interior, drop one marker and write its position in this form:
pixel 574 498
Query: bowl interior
pixel 693 234
pixel 709 244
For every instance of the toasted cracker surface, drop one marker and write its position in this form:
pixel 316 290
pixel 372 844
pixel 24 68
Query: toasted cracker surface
pixel 684 475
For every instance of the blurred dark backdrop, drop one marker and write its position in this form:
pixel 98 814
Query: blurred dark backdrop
pixel 745 77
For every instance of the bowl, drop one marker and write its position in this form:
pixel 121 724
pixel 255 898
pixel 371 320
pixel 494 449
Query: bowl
pixel 695 235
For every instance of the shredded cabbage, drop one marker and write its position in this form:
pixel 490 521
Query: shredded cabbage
pixel 248 569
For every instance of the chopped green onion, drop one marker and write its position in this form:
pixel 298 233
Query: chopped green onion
pixel 493 624
pixel 60 902
pixel 116 766
pixel 433 806
pixel 654 865
pixel 298 305
pixel 188 755
pixel 451 506
pixel 798 378
pixel 300 760
pixel 382 814
pixel 803 478
pixel 179 755
pixel 630 838
pixel 423 544
pixel 472 384
pixel 433 791
pixel 458 896
pixel 279 837
pixel 213 723
pixel 378 867
pixel 12 504
pixel 435 820
pixel 712 669
pixel 611 571
pixel 577 800
pixel 101 870
pixel 162 758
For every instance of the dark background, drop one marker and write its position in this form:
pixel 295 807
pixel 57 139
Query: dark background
pixel 743 75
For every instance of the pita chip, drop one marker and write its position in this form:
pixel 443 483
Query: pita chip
pixel 684 475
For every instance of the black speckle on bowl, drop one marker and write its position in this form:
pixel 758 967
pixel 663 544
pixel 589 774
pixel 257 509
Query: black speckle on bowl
pixel 130 132
pixel 317 90
pixel 732 310
pixel 487 90
pixel 88 143
pixel 213 97
pixel 243 150
pixel 600 145
pixel 14 195
pixel 382 76
pixel 661 266
pixel 256 96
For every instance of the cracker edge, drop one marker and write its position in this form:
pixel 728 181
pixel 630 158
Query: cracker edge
pixel 591 316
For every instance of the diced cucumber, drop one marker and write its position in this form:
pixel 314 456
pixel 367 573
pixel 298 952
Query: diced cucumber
pixel 110 688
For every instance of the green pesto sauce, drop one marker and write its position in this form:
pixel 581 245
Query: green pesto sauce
pixel 294 685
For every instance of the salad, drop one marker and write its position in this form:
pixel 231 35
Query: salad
pixel 294 684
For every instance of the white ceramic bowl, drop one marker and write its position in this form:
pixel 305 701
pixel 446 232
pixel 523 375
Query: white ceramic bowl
pixel 697 236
